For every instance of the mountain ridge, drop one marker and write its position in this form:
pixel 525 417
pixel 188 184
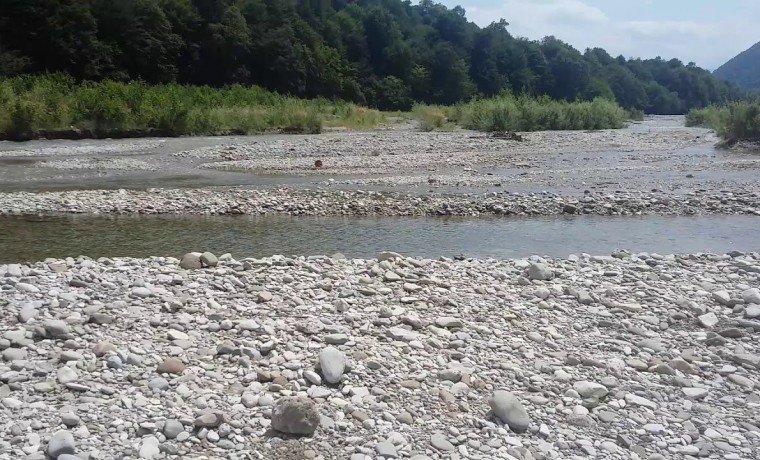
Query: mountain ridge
pixel 743 69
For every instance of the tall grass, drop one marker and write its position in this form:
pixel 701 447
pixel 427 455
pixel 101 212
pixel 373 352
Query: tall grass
pixel 56 106
pixel 635 114
pixel 431 117
pixel 733 122
pixel 524 113
pixel 700 117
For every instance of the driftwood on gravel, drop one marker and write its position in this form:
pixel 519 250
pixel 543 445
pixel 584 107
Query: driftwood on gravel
pixel 507 135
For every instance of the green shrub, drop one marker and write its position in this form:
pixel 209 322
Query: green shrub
pixel 700 117
pixel 54 105
pixel 635 114
pixel 524 113
pixel 430 117
pixel 734 122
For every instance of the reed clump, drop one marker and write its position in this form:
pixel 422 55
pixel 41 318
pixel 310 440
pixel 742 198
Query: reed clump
pixel 57 106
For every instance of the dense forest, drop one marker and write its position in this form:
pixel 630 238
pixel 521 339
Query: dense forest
pixel 744 69
pixel 381 53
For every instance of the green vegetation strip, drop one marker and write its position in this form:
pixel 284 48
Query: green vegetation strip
pixel 55 106
pixel 733 122
pixel 384 54
pixel 523 113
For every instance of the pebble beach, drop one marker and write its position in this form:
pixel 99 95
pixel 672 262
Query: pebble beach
pixel 625 356
pixel 629 355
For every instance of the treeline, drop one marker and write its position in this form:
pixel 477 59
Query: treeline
pixel 387 54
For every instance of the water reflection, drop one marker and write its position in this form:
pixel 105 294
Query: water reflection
pixel 26 239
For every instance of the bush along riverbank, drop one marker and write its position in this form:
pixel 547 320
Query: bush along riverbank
pixel 524 113
pixel 54 106
pixel 734 122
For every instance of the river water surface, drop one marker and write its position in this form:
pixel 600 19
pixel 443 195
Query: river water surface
pixel 36 238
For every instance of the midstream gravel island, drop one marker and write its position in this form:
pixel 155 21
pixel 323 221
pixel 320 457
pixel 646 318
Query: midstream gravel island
pixel 656 167
pixel 628 356
pixel 224 201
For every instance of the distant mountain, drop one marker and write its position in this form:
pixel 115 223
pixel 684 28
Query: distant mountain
pixel 744 69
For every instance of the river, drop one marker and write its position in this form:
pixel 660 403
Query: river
pixel 36 238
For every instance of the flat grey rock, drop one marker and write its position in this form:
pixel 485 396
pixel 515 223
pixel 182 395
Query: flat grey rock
pixel 590 389
pixel 149 449
pixel 386 450
pixel 539 271
pixel 332 363
pixel 751 296
pixel 440 442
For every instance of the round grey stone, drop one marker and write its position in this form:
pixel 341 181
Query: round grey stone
pixel 56 328
pixel 208 259
pixel 66 375
pixel 61 443
pixel 158 384
pixel 14 354
pixel 70 419
pixel 149 448
pixel 312 377
pixel 386 449
pixel 142 292
pixel 191 261
pixel 172 428
pixel 509 410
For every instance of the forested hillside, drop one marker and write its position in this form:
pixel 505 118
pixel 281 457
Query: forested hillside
pixel 382 53
pixel 744 69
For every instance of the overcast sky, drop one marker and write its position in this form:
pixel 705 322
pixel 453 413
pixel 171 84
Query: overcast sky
pixel 708 32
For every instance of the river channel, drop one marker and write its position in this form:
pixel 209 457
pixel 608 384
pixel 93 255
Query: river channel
pixel 37 238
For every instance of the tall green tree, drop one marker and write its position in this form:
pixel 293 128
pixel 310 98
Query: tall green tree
pixel 379 52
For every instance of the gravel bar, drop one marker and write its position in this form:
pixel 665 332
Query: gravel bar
pixel 625 356
pixel 326 202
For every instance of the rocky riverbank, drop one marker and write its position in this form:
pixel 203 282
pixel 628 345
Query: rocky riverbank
pixel 631 356
pixel 327 202
pixel 399 153
pixel 657 153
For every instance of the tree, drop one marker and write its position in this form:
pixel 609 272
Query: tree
pixel 393 94
pixel 449 76
pixel 570 75
pixel 225 49
pixel 12 63
pixel 141 40
pixel 378 52
pixel 51 35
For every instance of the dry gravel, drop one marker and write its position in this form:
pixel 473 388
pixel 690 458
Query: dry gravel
pixel 631 356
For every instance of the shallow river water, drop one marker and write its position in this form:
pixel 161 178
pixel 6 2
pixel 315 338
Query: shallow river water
pixel 36 238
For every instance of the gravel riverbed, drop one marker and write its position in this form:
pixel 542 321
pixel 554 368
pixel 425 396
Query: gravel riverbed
pixel 326 202
pixel 654 167
pixel 630 356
